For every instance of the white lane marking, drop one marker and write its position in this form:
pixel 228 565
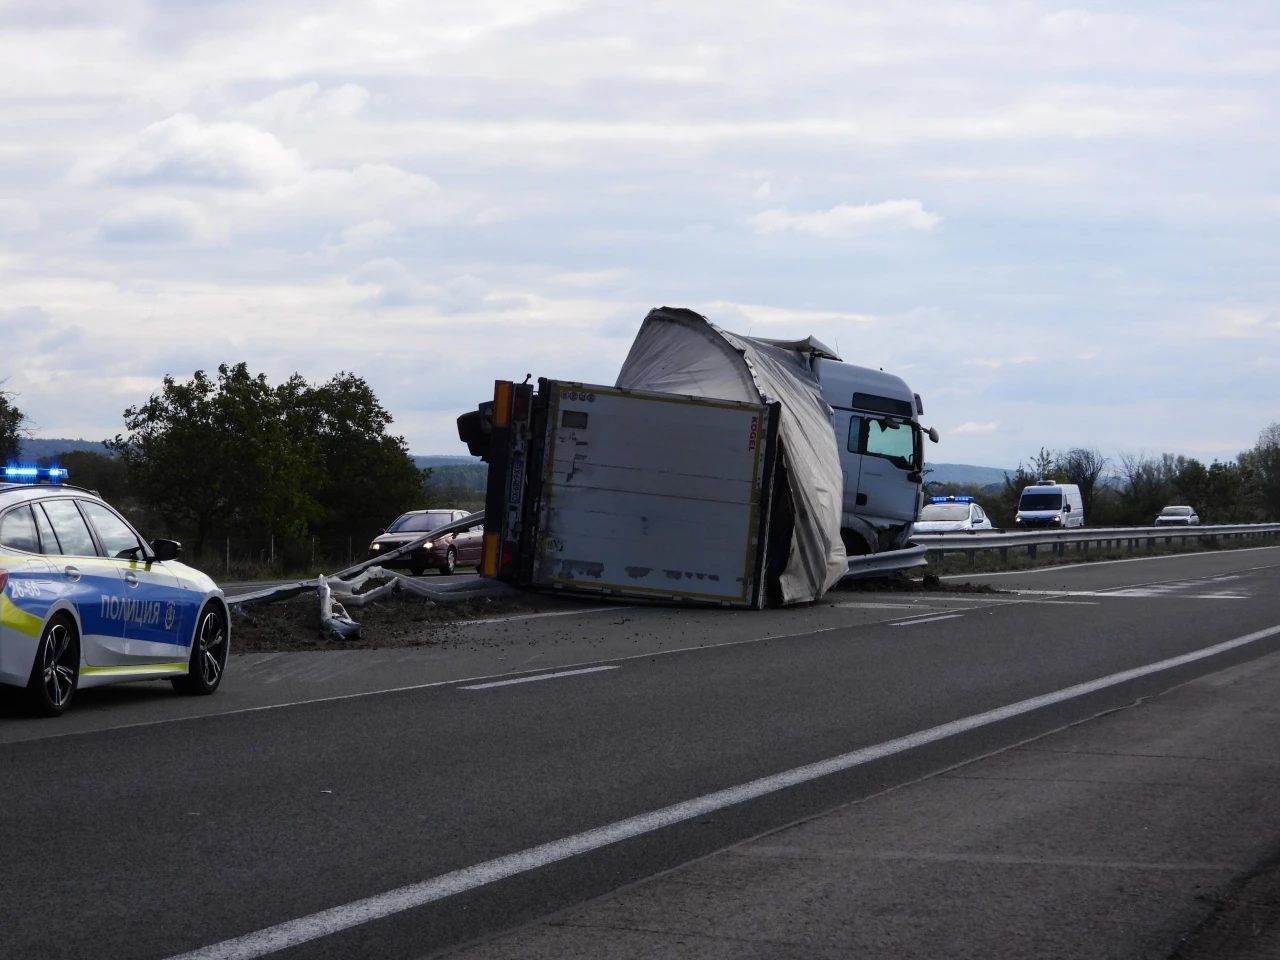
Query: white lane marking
pixel 541 676
pixel 338 697
pixel 884 606
pixel 336 919
pixel 1059 567
pixel 912 623
pixel 533 616
pixel 1131 594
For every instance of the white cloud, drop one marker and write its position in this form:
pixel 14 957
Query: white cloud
pixel 538 174
pixel 17 216
pixel 160 220
pixel 306 104
pixel 183 150
pixel 977 428
pixel 846 220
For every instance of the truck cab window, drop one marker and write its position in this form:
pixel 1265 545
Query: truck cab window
pixel 896 443
pixel 855 435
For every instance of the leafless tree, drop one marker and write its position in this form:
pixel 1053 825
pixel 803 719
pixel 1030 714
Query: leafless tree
pixel 1083 467
pixel 1147 484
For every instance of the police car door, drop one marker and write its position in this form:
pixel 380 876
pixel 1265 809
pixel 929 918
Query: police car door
pixel 27 595
pixel 152 610
pixel 88 581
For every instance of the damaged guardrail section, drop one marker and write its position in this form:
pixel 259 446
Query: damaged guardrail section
pixel 337 591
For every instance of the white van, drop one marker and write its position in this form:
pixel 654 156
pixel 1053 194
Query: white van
pixel 1050 504
pixel 880 440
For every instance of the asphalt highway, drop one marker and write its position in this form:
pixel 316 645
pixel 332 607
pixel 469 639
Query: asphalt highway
pixel 398 824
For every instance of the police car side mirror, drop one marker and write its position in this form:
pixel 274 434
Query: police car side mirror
pixel 166 549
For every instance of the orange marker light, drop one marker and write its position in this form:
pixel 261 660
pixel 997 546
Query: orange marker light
pixel 502 403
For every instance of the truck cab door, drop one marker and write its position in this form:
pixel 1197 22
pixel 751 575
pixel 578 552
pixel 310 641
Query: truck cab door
pixel 889 456
pixel 848 428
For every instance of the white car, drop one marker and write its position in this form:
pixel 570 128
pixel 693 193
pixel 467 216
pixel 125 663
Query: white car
pixel 85 601
pixel 952 515
pixel 1178 517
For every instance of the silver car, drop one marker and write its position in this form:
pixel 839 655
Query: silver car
pixel 1177 517
pixel 952 515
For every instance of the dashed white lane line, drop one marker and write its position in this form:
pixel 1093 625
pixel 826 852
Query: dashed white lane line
pixel 858 605
pixel 292 933
pixel 541 676
pixel 913 622
pixel 534 616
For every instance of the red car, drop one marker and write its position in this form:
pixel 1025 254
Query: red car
pixel 451 551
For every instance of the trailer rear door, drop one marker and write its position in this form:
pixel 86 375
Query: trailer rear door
pixel 654 495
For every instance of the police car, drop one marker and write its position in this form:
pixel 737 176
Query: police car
pixel 952 515
pixel 86 601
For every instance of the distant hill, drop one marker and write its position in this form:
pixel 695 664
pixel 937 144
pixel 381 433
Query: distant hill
pixel 965 473
pixel 35 448
pixel 435 460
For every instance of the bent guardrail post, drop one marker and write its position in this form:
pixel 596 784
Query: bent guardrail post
pixel 335 622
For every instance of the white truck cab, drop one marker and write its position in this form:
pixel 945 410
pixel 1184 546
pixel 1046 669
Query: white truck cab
pixel 1049 504
pixel 881 448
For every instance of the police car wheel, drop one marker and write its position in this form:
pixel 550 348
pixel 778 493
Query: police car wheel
pixel 450 562
pixel 208 655
pixel 56 671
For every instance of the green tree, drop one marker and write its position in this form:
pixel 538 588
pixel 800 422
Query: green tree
pixel 214 456
pixel 12 421
pixel 94 471
pixel 1192 486
pixel 1264 459
pixel 369 476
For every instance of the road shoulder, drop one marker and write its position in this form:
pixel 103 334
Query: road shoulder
pixel 1130 835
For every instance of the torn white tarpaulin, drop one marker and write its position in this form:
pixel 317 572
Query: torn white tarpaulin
pixel 679 351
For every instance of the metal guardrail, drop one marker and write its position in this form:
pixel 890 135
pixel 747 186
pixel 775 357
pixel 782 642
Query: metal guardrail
pixel 878 564
pixel 284 591
pixel 938 544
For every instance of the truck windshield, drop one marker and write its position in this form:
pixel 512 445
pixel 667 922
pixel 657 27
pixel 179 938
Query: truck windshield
pixel 944 511
pixel 1040 501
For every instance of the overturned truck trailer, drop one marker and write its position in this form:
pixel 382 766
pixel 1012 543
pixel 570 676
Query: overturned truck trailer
pixel 709 472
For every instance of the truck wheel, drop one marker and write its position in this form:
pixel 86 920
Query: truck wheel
pixel 55 674
pixel 450 562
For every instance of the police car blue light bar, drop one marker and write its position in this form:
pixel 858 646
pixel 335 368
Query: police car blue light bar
pixel 951 499
pixel 35 474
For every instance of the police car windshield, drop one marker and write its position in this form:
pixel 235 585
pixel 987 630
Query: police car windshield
pixel 1176 512
pixel 944 511
pixel 419 523
pixel 1040 501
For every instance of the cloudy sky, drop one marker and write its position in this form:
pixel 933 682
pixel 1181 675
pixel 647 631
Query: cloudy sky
pixel 1060 224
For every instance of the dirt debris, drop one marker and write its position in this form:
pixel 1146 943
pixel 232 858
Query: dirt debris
pixel 399 620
